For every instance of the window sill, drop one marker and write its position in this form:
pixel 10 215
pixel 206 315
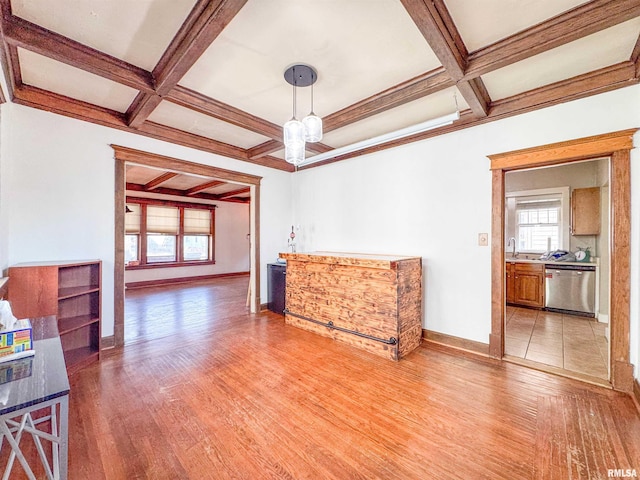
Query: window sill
pixel 169 265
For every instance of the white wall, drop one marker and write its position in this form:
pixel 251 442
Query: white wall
pixel 231 248
pixel 432 198
pixel 57 192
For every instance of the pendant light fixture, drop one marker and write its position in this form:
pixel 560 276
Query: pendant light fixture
pixel 294 129
pixel 312 124
pixel 294 155
pixel 297 133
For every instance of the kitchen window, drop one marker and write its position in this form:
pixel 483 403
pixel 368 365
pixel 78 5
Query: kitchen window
pixel 537 219
pixel 161 235
pixel 538 222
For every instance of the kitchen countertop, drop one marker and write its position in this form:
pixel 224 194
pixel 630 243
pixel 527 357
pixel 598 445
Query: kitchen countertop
pixel 548 262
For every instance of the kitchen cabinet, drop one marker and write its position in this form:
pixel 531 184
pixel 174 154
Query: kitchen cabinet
pixel 525 284
pixel 585 211
pixel 510 270
pixel 276 282
pixel 69 290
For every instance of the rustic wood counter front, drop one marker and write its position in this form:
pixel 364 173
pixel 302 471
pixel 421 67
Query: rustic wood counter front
pixel 373 302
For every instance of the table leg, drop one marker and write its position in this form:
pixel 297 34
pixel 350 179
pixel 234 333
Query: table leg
pixel 15 450
pixel 54 445
pixel 64 436
pixel 36 439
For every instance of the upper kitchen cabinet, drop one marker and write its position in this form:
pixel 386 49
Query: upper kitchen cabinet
pixel 585 211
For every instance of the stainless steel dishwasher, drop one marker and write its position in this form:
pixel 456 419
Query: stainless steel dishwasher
pixel 570 288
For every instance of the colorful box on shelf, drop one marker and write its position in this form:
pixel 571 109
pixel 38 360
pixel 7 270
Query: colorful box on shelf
pixel 16 342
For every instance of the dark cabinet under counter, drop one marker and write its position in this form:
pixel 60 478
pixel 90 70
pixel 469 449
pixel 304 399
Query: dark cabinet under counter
pixel 276 284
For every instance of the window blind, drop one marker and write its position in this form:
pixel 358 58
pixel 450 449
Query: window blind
pixel 132 218
pixel 197 221
pixel 163 220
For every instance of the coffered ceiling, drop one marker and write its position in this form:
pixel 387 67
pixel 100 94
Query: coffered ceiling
pixel 209 74
pixel 148 182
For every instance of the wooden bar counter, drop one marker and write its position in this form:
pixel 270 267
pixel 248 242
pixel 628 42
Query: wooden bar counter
pixel 373 302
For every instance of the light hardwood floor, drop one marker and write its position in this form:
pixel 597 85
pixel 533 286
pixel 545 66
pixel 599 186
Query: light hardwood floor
pixel 207 391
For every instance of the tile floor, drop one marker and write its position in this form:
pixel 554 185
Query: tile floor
pixel 570 342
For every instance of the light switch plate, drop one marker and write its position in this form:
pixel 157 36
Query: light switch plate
pixel 483 239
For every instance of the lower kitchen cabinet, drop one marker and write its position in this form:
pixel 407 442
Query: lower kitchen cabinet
pixel 510 271
pixel 525 284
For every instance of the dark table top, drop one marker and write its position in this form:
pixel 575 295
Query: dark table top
pixel 48 379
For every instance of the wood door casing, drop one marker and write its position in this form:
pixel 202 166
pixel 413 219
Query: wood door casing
pixel 616 146
pixel 123 155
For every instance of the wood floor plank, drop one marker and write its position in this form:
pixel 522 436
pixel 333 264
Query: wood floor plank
pixel 577 438
pixel 205 390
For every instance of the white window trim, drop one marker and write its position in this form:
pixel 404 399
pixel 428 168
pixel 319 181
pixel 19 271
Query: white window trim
pixel 565 230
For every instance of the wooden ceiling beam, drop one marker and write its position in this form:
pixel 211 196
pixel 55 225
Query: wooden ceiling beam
pixel 52 102
pixel 405 92
pixel 603 80
pixel 577 23
pixel 205 22
pixel 434 22
pixel 264 149
pixel 593 83
pixel 21 33
pixel 201 103
pixel 142 106
pixel 476 95
pixel 11 65
pixel 233 193
pixel 203 186
pixel 135 187
pixel 635 56
pixel 434 29
pixel 9 53
pixel 179 137
pixel 159 180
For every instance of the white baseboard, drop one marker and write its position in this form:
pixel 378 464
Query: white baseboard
pixel 603 318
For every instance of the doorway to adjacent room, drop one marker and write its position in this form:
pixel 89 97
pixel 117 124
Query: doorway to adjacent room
pixel 557 311
pixel 617 147
pixel 126 156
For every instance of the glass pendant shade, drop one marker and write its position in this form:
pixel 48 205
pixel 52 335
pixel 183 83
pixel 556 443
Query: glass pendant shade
pixel 312 128
pixel 294 134
pixel 294 155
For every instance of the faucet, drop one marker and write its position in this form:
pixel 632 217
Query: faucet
pixel 513 252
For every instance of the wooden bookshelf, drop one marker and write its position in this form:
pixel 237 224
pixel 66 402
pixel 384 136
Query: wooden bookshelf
pixel 72 292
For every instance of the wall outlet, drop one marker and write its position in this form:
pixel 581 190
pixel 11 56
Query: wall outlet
pixel 483 239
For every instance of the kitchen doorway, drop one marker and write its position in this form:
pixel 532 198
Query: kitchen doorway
pixel 557 305
pixel 617 147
